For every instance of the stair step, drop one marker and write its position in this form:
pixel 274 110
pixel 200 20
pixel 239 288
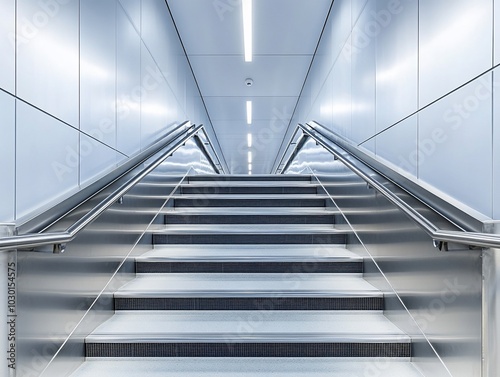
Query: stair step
pixel 248 334
pixel 208 266
pixel 247 367
pixel 266 302
pixel 249 259
pixel 256 291
pixel 186 218
pixel 257 239
pixel 250 252
pixel 227 349
pixel 217 190
pixel 246 201
pixel 256 234
pixel 258 178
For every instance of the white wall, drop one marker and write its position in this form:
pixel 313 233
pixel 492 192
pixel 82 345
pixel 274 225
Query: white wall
pixel 415 84
pixel 84 85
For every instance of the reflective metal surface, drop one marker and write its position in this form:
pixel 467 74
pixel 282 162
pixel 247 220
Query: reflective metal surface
pixel 62 298
pixel 71 231
pixel 434 296
pixel 47 73
pixel 248 367
pixel 373 81
pixel 7 157
pixel 396 59
pixel 431 222
pixel 98 64
pixel 7 47
pixel 443 132
pixel 54 171
pixel 455 44
pixel 491 307
pixel 128 72
pixel 106 79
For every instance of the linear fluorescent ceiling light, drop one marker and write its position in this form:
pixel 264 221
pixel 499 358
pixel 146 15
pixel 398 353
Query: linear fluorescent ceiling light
pixel 249 157
pixel 247 29
pixel 249 167
pixel 249 112
pixel 249 140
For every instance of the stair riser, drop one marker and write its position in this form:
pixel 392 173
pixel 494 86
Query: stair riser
pixel 249 267
pixel 249 303
pixel 246 178
pixel 242 239
pixel 229 349
pixel 207 202
pixel 215 190
pixel 250 219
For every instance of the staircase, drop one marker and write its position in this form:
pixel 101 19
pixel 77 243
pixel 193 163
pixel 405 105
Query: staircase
pixel 249 277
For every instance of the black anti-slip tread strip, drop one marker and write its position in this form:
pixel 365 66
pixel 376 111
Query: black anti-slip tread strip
pixel 257 202
pixel 249 303
pixel 273 178
pixel 238 349
pixel 212 190
pixel 241 239
pixel 248 267
pixel 249 219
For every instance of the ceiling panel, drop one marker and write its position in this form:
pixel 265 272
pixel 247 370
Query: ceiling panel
pixel 286 33
pixel 285 27
pixel 272 75
pixel 234 108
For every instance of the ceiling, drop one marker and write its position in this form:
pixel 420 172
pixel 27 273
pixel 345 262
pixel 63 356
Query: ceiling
pixel 285 36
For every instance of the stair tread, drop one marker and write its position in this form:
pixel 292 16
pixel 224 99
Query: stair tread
pixel 303 211
pixel 214 229
pixel 247 285
pixel 250 196
pixel 253 253
pixel 246 367
pixel 249 326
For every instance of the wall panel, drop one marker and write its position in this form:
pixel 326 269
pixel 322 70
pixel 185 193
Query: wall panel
pixel 7 157
pixel 396 33
pixel 48 58
pixel 455 44
pixel 398 146
pixel 7 45
pixel 98 69
pixel 133 10
pixel 96 159
pixel 445 130
pixel 128 84
pixel 363 77
pixel 46 167
pixel 496 144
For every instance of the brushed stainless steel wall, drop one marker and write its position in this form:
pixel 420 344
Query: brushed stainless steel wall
pixel 63 297
pixel 436 297
pixel 104 78
pixel 412 82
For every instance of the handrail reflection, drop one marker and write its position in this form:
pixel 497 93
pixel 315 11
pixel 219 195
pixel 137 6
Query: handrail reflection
pixel 439 236
pixel 59 239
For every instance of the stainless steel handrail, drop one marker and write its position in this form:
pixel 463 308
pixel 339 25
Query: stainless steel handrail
pixel 477 239
pixel 58 239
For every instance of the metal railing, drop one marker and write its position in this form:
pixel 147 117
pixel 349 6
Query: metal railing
pixel 440 237
pixel 60 239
